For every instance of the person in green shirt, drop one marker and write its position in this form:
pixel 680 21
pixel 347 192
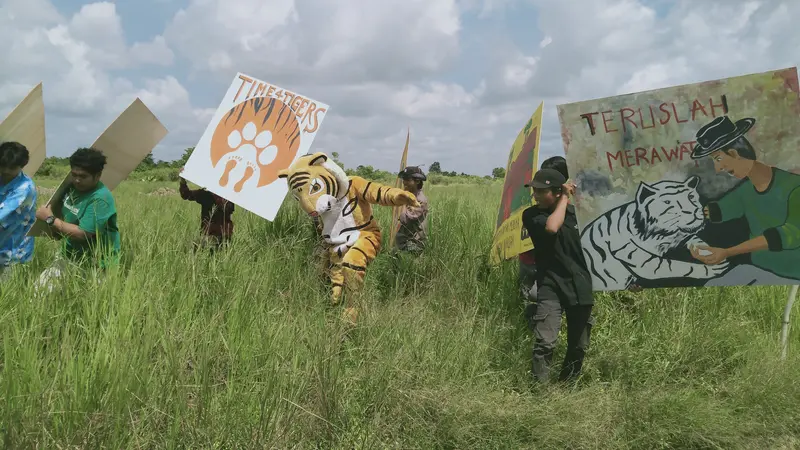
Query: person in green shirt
pixel 768 198
pixel 89 226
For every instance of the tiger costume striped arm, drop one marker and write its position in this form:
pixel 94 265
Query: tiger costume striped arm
pixel 379 194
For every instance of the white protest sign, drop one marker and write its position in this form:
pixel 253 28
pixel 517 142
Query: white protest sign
pixel 258 130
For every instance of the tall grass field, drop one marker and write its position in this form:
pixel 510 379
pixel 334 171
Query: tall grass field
pixel 242 350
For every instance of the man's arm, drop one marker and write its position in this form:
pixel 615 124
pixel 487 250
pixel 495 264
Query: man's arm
pixel 786 236
pixel 783 237
pixel 414 213
pixel 186 193
pixel 556 219
pixel 71 230
pixel 728 207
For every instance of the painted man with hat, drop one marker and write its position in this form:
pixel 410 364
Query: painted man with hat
pixel 768 198
pixel 412 232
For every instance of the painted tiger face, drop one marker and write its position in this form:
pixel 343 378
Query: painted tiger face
pixel 314 182
pixel 668 206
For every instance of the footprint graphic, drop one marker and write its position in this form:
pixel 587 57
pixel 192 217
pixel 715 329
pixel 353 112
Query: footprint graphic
pixel 229 166
pixel 248 172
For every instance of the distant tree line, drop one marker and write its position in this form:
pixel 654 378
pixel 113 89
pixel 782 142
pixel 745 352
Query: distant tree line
pixel 54 165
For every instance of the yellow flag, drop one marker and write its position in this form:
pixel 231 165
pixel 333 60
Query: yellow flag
pixel 510 237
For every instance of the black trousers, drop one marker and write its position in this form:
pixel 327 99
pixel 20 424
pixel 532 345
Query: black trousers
pixel 546 324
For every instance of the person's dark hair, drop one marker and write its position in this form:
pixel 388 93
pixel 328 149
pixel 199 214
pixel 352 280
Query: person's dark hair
pixel 88 159
pixel 13 155
pixel 558 163
pixel 743 148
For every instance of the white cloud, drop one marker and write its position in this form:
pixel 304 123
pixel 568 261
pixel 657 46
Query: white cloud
pixel 155 52
pixel 74 57
pixel 98 27
pixel 438 99
pixel 318 41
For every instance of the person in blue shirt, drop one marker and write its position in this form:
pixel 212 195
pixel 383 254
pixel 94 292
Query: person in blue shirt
pixel 17 207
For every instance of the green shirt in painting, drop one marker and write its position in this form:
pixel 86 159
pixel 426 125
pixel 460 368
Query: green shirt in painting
pixel 94 212
pixel 774 214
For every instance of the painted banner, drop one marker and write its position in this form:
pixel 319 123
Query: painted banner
pixel 510 237
pixel 399 184
pixel 693 185
pixel 258 130
pixel 125 143
pixel 25 124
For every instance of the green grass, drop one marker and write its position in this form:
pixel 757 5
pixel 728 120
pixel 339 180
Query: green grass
pixel 242 351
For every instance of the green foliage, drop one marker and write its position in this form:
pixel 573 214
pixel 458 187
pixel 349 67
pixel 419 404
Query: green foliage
pixel 151 170
pixel 182 350
pixel 498 173
pixel 335 157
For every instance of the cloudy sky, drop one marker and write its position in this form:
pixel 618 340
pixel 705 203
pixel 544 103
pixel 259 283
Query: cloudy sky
pixel 465 75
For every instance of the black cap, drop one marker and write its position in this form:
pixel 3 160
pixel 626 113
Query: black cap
pixel 547 178
pixel 413 173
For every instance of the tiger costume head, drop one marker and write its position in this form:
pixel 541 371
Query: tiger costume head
pixel 316 182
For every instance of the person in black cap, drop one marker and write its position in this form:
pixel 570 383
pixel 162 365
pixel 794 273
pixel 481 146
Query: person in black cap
pixel 563 280
pixel 768 198
pixel 527 260
pixel 412 232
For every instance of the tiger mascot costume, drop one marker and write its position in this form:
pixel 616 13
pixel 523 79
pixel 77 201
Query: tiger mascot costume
pixel 343 205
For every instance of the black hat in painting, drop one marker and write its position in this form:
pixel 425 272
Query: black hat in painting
pixel 547 178
pixel 412 173
pixel 718 133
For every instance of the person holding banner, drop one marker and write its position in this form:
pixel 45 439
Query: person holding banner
pixel 17 207
pixel 216 226
pixel 89 227
pixel 412 233
pixel 527 260
pixel 563 279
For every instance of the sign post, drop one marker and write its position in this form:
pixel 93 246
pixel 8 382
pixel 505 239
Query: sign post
pixel 787 311
pixel 398 184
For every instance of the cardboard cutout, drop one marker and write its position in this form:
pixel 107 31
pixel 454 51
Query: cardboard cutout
pixel 25 124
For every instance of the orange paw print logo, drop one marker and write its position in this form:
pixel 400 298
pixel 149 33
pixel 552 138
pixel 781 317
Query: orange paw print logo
pixel 255 139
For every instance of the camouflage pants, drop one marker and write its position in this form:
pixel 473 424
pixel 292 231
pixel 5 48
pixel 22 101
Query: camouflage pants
pixel 546 324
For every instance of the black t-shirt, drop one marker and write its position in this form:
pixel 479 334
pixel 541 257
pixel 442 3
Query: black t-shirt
pixel 560 262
